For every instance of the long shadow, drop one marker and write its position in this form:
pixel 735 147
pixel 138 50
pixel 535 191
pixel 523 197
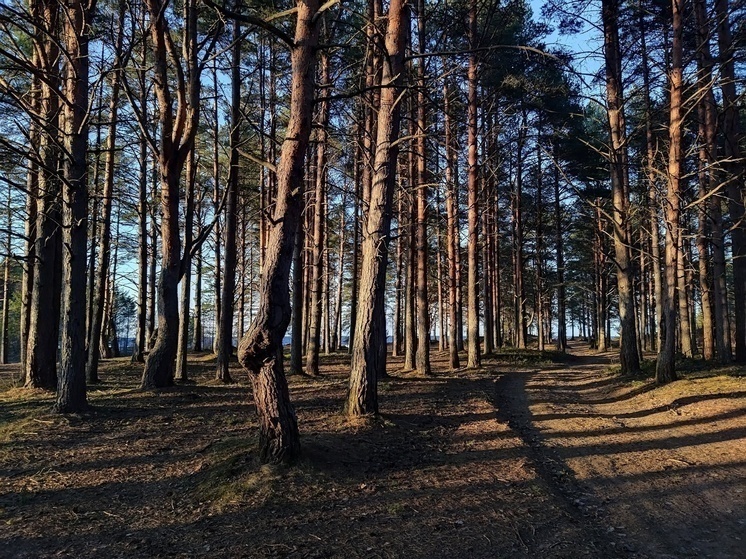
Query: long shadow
pixel 598 401
pixel 732 414
pixel 511 402
pixel 679 402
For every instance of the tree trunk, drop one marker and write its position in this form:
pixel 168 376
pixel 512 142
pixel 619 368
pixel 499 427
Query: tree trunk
pixel 410 295
pixel 218 229
pixel 6 290
pixel 41 347
pixel 518 261
pixel 539 245
pixel 152 301
pixel 706 112
pixel 559 241
pixel 260 351
pixel 32 193
pixel 734 169
pixel 452 232
pixel 319 217
pixel 629 359
pixel 685 328
pixel 71 387
pixel 181 372
pixel 138 355
pixel 657 332
pixel 362 398
pixel 97 310
pixel 472 283
pixel 340 276
pixel 296 336
pixel 198 327
pixel 422 357
pixel 227 294
pixel 665 368
pixel 177 132
pixel 396 345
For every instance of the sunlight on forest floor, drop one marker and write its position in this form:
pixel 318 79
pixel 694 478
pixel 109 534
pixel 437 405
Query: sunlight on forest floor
pixel 535 455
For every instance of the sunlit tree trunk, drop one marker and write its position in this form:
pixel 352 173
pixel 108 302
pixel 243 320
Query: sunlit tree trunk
pixel 734 171
pixel 710 212
pixel 260 350
pixel 177 131
pixel 422 358
pixel 362 398
pixel 629 358
pixel 452 231
pixel 472 284
pixel 665 368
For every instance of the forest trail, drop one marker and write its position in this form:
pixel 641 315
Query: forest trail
pixel 524 458
pixel 664 469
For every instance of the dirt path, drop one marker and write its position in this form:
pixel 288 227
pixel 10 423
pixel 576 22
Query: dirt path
pixel 664 468
pixel 521 459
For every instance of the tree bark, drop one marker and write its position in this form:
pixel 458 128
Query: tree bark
pixel 97 311
pixel 472 284
pixel 362 397
pixel 71 387
pixel 6 290
pixel 657 328
pixel 41 346
pixel 138 355
pixel 227 294
pixel 665 368
pixel 629 358
pixel 517 225
pixel 32 193
pixel 422 357
pixel 319 217
pixel 177 132
pixel 734 168
pixel 260 351
pixel 181 372
pixel 559 242
pixel 296 336
pixel 452 232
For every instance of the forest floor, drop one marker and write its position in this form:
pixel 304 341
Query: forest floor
pixel 531 456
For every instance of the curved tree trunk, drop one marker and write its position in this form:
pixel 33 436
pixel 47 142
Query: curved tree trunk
pixel 177 131
pixel 260 351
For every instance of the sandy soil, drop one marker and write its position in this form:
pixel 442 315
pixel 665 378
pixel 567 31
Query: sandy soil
pixel 525 458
